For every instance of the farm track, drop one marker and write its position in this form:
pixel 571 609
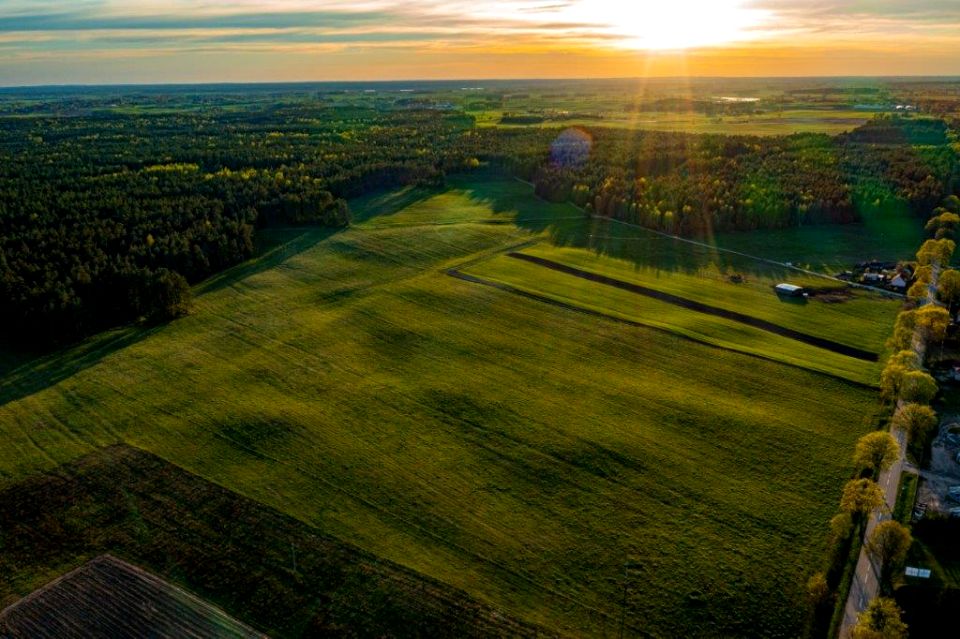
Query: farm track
pixel 473 279
pixel 819 342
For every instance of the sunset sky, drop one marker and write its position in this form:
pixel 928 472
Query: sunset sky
pixel 146 41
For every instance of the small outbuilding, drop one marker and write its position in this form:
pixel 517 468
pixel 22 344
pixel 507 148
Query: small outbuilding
pixel 789 290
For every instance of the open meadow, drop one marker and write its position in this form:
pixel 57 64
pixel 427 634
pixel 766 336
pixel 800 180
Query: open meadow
pixel 544 460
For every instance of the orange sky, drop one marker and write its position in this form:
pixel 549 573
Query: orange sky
pixel 106 41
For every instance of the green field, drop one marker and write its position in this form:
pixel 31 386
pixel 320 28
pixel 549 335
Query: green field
pixel 819 319
pixel 516 450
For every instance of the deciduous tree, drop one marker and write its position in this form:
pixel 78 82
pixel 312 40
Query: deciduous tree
pixel 881 620
pixel 861 496
pixel 888 546
pixel 918 387
pixel 916 420
pixel 876 451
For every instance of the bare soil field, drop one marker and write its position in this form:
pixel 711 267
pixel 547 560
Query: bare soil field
pixel 107 597
pixel 271 571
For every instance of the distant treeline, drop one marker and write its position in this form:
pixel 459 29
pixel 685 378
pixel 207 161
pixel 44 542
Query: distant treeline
pixel 697 184
pixel 108 216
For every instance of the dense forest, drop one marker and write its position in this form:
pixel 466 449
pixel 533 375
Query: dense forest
pixel 696 184
pixel 109 213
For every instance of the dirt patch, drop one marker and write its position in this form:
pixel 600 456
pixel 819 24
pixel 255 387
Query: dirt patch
pixel 831 295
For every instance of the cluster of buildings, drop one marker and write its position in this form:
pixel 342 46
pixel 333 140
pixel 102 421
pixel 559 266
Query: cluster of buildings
pixel 887 275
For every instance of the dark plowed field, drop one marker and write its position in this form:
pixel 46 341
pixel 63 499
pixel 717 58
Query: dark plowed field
pixel 274 573
pixel 107 597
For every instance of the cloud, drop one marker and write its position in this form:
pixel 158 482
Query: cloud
pixel 73 30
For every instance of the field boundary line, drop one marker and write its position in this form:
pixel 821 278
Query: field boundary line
pixel 700 307
pixel 473 279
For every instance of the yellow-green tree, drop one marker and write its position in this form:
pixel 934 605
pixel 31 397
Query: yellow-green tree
pixel 931 322
pixel 841 525
pixel 916 420
pixel 861 496
pixel 902 338
pixel 881 620
pixel 943 225
pixel 948 288
pixel 888 546
pixel 876 451
pixel 918 387
pixel 936 252
pixel 897 366
pixel 818 591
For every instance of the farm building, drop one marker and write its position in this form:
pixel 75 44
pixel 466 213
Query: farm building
pixel 789 290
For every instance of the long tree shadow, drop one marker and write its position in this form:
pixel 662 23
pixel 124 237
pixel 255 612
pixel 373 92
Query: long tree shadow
pixel 566 225
pixel 23 374
pixel 34 373
pixel 278 246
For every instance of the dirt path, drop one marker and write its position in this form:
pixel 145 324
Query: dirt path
pixel 699 307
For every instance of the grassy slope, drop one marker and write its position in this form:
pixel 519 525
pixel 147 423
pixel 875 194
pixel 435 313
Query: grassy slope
pixel 833 249
pixel 515 450
pixel 863 321
pixel 638 308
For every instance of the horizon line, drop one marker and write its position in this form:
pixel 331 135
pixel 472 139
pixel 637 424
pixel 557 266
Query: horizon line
pixel 254 83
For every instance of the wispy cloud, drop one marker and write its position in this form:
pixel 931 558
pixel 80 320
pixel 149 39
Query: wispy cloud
pixel 72 30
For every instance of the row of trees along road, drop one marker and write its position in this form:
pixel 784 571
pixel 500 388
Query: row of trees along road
pixel 907 389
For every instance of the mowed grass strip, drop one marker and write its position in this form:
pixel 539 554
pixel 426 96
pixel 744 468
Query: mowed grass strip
pixel 620 304
pixel 862 319
pixel 516 450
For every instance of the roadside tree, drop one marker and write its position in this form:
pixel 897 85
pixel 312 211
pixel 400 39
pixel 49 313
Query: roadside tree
pixel 881 620
pixel 861 497
pixel 876 451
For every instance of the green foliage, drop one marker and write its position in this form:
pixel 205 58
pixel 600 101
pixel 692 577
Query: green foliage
pixel 900 363
pixel 841 525
pixel 876 451
pixel 943 225
pixel 932 321
pixel 888 546
pixel 818 591
pixel 917 420
pixel 881 620
pixel 861 497
pixel 904 331
pixel 948 288
pixel 918 387
pixel 936 252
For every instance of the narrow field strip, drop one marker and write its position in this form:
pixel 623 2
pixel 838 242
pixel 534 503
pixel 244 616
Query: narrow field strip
pixel 546 299
pixel 819 342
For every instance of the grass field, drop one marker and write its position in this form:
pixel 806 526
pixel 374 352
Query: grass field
pixel 722 332
pixel 521 452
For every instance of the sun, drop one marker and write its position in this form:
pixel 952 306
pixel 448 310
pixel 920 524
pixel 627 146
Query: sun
pixel 670 24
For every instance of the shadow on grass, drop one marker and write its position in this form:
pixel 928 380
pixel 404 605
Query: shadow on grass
pixel 34 373
pixel 276 247
pixel 22 374
pixel 568 226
